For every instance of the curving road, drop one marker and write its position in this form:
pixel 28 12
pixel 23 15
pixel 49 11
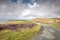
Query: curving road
pixel 48 33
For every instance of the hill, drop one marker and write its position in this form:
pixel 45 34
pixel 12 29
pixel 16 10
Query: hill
pixel 54 22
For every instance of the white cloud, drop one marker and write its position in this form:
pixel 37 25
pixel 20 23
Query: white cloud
pixel 28 11
pixel 11 11
pixel 45 10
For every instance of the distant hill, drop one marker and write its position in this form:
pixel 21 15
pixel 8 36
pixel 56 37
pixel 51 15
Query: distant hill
pixel 47 20
pixel 55 22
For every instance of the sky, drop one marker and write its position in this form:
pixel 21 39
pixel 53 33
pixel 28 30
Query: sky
pixel 29 9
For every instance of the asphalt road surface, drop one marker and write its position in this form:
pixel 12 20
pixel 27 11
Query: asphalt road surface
pixel 48 33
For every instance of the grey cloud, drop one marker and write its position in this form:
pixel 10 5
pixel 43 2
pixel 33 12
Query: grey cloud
pixel 45 1
pixel 52 6
pixel 43 9
pixel 46 9
pixel 10 10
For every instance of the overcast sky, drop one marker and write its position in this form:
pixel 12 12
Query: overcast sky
pixel 28 9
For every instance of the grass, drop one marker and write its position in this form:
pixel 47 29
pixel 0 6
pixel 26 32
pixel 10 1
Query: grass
pixel 17 22
pixel 55 25
pixel 53 22
pixel 21 34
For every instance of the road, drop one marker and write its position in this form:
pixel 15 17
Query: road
pixel 48 33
